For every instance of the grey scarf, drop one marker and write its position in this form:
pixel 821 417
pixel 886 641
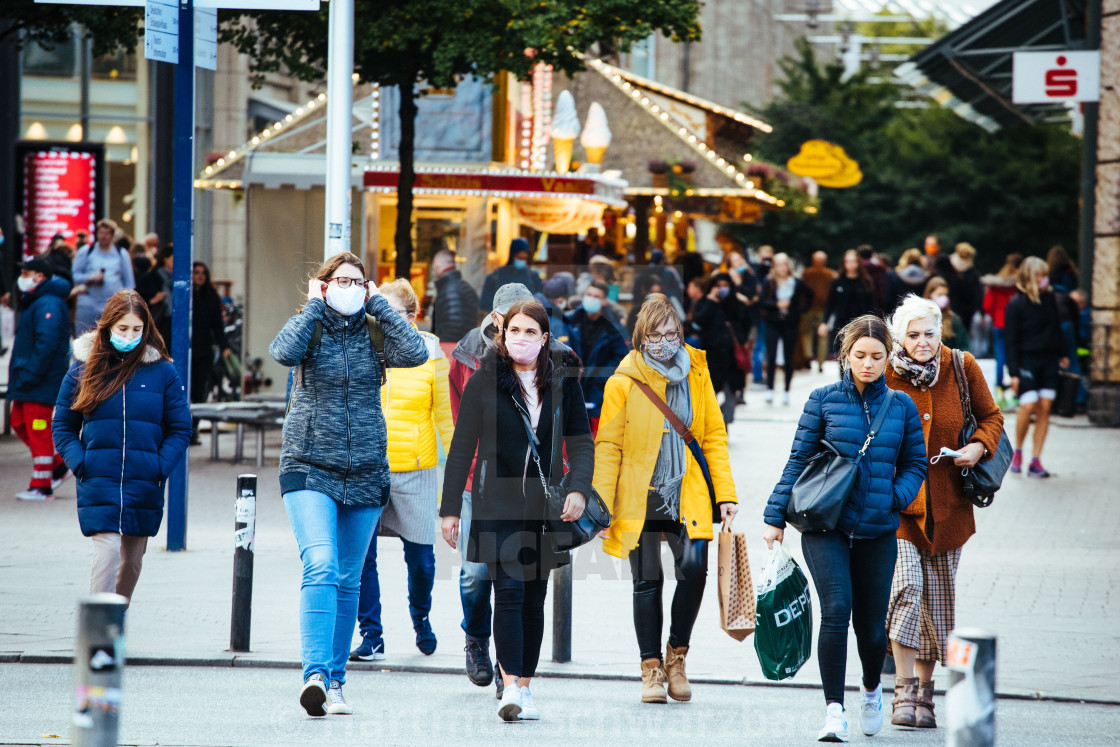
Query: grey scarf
pixel 668 472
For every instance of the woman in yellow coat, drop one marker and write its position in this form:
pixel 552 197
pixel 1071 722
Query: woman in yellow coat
pixel 416 402
pixel 654 487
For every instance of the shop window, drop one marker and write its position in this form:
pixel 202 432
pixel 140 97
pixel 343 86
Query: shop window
pixel 59 61
pixel 119 66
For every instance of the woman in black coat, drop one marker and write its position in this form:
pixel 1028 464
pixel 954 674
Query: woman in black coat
pixel 521 385
pixel 784 299
pixel 851 295
pixel 723 321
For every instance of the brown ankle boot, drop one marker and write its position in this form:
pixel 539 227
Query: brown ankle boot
pixel 653 682
pixel 679 689
pixel 923 714
pixel 905 701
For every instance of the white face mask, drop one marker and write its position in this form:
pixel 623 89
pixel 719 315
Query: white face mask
pixel 346 301
pixel 26 285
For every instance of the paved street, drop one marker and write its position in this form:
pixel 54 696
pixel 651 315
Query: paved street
pixel 208 706
pixel 1041 572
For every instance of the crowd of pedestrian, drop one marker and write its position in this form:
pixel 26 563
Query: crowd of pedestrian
pixel 543 389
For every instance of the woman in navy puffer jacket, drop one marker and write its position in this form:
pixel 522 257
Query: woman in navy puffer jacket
pixel 121 423
pixel 852 566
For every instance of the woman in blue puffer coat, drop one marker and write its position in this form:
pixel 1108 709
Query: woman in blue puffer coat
pixel 334 471
pixel 852 565
pixel 121 423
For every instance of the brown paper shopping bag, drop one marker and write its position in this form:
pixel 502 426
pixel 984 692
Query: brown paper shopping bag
pixel 736 590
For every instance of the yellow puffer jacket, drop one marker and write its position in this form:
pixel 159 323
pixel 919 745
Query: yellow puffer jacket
pixel 629 439
pixel 416 401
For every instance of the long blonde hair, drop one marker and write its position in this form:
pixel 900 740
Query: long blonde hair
pixel 1032 269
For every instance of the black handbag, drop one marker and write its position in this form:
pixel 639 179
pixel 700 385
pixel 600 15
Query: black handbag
pixel 824 486
pixel 983 480
pixel 564 535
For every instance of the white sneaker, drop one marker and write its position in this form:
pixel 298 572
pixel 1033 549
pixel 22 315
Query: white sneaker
pixel 336 704
pixel 871 711
pixel 509 707
pixel 60 476
pixel 769 396
pixel 33 494
pixel 529 710
pixel 835 725
pixel 785 398
pixel 313 696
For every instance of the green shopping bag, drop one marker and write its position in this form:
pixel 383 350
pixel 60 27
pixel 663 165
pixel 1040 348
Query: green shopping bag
pixel 783 637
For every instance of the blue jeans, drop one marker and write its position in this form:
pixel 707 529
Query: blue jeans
pixel 332 540
pixel 421 563
pixel 474 581
pixel 759 355
pixel 853 581
pixel 999 343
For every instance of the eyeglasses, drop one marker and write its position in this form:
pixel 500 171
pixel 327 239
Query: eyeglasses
pixel 346 282
pixel 668 336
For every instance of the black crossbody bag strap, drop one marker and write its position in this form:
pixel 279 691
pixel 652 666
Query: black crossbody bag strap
pixel 876 424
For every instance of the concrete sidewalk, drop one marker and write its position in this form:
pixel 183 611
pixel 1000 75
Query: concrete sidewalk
pixel 1042 572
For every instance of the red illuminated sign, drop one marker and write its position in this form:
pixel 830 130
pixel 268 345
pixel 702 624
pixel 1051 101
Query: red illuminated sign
pixel 60 194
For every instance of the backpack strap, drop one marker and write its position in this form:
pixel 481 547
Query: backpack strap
pixel 376 339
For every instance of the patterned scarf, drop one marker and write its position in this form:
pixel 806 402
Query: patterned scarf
pixel 918 374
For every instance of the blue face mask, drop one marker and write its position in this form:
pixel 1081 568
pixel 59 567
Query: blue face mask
pixel 723 292
pixel 592 305
pixel 520 264
pixel 123 345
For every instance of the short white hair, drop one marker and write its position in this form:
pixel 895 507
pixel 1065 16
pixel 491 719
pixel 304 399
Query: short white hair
pixel 913 309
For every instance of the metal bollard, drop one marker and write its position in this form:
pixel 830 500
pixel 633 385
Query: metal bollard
pixel 98 661
pixel 244 535
pixel 562 614
pixel 970 701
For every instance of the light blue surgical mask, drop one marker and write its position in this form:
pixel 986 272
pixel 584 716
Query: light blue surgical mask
pixel 520 264
pixel 123 345
pixel 592 305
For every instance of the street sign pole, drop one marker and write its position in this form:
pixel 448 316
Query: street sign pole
pixel 183 235
pixel 340 96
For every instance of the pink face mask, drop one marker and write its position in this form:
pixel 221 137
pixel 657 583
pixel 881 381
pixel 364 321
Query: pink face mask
pixel 1043 283
pixel 942 302
pixel 523 351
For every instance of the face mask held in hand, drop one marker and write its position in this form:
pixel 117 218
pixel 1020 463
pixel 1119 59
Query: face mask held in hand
pixel 346 301
pixel 123 345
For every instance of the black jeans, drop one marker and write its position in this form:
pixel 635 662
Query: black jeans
pixel 690 561
pixel 853 580
pixel 518 621
pixel 788 333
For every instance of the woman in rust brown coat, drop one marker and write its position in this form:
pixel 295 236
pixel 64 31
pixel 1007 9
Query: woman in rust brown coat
pixel 936 525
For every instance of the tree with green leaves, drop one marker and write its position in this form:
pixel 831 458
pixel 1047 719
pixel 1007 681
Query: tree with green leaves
pixel 111 28
pixel 437 43
pixel 926 170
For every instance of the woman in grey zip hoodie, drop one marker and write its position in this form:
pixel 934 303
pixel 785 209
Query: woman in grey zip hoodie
pixel 334 473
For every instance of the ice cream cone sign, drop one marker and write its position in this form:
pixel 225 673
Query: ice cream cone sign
pixel 827 163
pixel 565 130
pixel 596 137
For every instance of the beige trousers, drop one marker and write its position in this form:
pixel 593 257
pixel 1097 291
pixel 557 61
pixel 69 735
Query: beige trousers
pixel 116 563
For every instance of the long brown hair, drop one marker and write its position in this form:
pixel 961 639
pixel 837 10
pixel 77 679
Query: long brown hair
pixel 105 371
pixel 535 311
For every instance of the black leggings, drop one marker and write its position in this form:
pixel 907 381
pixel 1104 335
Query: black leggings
pixel 788 331
pixel 853 580
pixel 690 560
pixel 518 621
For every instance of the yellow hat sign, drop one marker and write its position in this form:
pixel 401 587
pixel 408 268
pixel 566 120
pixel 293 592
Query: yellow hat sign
pixel 827 163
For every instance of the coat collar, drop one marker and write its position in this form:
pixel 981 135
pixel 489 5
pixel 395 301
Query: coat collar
pixel 874 390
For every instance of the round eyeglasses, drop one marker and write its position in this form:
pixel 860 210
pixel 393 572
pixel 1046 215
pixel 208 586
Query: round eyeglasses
pixel 654 337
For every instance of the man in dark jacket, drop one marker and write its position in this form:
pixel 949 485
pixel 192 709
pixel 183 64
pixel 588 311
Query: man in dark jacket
pixel 554 298
pixel 516 270
pixel 878 274
pixel 455 310
pixel 40 357
pixel 599 343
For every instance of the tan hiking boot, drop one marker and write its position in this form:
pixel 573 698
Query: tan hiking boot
pixel 679 689
pixel 905 700
pixel 923 714
pixel 653 682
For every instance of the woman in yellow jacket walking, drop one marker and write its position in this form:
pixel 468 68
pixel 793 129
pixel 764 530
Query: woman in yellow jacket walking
pixel 654 486
pixel 416 402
